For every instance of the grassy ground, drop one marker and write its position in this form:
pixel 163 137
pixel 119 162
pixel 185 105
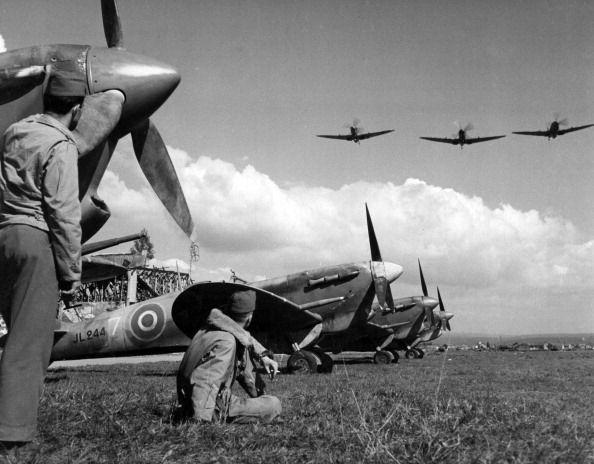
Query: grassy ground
pixel 460 407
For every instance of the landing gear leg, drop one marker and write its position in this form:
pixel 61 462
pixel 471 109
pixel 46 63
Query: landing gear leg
pixel 396 356
pixel 327 362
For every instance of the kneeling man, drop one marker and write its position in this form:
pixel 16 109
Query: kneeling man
pixel 221 352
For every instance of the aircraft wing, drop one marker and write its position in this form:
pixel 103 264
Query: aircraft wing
pixel 274 314
pixel 94 269
pixel 338 137
pixel 442 140
pixel 373 134
pixel 540 133
pixel 482 139
pixel 571 129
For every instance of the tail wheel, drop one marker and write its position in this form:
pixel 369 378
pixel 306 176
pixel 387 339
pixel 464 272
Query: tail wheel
pixel 303 362
pixel 420 352
pixel 383 357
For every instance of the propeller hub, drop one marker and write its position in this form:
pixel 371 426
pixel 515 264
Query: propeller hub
pixel 393 271
pixel 429 302
pixel 145 82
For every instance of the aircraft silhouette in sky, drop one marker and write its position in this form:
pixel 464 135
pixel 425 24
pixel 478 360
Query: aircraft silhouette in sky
pixel 356 133
pixel 554 129
pixel 461 138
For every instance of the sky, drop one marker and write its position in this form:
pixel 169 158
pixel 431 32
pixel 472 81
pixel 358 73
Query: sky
pixel 505 228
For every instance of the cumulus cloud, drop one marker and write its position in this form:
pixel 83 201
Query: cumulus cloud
pixel 2 44
pixel 247 222
pixel 244 212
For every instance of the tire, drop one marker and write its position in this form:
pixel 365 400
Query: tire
pixel 411 354
pixel 420 352
pixel 383 357
pixel 303 362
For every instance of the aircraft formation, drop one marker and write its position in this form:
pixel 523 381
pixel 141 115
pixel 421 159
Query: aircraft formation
pixel 461 136
pixel 304 314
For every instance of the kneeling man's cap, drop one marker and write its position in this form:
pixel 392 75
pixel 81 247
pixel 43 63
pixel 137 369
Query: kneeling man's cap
pixel 242 302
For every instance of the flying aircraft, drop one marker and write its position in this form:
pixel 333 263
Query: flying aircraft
pixel 293 312
pixel 412 321
pixel 106 117
pixel 356 134
pixel 461 138
pixel 554 129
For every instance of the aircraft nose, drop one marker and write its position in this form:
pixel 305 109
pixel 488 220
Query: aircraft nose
pixel 393 271
pixel 145 82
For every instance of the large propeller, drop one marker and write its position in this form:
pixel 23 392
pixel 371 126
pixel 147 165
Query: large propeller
pixel 149 148
pixel 381 278
pixel 428 309
pixel 444 317
pixel 107 114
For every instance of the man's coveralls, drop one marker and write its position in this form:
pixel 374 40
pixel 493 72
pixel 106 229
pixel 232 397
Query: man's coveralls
pixel 40 244
pixel 219 353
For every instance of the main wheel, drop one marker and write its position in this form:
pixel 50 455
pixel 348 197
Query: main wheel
pixel 303 362
pixel 383 357
pixel 396 356
pixel 327 363
pixel 411 354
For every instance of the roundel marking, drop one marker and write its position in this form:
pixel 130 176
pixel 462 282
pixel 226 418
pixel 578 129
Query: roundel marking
pixel 147 323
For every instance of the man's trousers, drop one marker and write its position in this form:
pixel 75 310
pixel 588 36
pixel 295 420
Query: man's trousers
pixel 28 304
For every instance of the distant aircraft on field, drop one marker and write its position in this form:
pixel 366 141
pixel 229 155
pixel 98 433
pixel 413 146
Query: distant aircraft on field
pixel 356 134
pixel 553 131
pixel 412 322
pixel 461 138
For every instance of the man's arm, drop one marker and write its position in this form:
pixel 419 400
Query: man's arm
pixel 62 211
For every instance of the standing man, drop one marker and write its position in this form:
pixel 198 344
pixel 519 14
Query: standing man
pixel 40 248
pixel 220 352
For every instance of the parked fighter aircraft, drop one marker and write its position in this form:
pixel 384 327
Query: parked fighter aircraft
pixel 146 84
pixel 460 138
pixel 356 134
pixel 553 131
pixel 293 312
pixel 413 321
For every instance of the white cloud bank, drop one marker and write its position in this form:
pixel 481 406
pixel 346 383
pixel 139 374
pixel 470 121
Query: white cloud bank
pixel 2 44
pixel 249 223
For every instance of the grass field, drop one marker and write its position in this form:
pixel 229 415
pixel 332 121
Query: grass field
pixel 457 407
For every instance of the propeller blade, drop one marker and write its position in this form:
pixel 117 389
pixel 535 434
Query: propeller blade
pixel 563 122
pixel 100 113
pixel 468 127
pixel 442 309
pixel 375 251
pixel 157 167
pixel 16 82
pixel 423 285
pixel 112 25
